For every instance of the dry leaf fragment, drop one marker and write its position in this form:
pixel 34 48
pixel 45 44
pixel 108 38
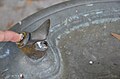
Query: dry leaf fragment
pixel 116 35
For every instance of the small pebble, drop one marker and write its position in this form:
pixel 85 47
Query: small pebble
pixel 76 11
pixel 68 53
pixel 90 62
pixel 58 37
pixel 21 76
pixel 105 27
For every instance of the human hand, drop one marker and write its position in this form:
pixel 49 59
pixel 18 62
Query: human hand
pixel 9 36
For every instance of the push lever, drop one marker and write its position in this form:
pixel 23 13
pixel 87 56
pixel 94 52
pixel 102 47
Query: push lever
pixel 34 44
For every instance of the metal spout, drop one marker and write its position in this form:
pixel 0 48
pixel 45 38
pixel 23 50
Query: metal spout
pixel 34 44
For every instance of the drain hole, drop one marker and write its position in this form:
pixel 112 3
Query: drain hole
pixel 98 62
pixel 115 64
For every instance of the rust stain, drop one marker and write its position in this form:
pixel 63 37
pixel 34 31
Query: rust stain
pixel 116 35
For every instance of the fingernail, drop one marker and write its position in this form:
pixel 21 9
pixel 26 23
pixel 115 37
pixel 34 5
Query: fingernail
pixel 21 36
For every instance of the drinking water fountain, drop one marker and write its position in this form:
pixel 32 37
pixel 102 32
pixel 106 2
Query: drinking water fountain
pixel 70 40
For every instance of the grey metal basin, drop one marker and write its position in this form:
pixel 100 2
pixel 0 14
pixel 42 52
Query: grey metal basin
pixel 80 43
